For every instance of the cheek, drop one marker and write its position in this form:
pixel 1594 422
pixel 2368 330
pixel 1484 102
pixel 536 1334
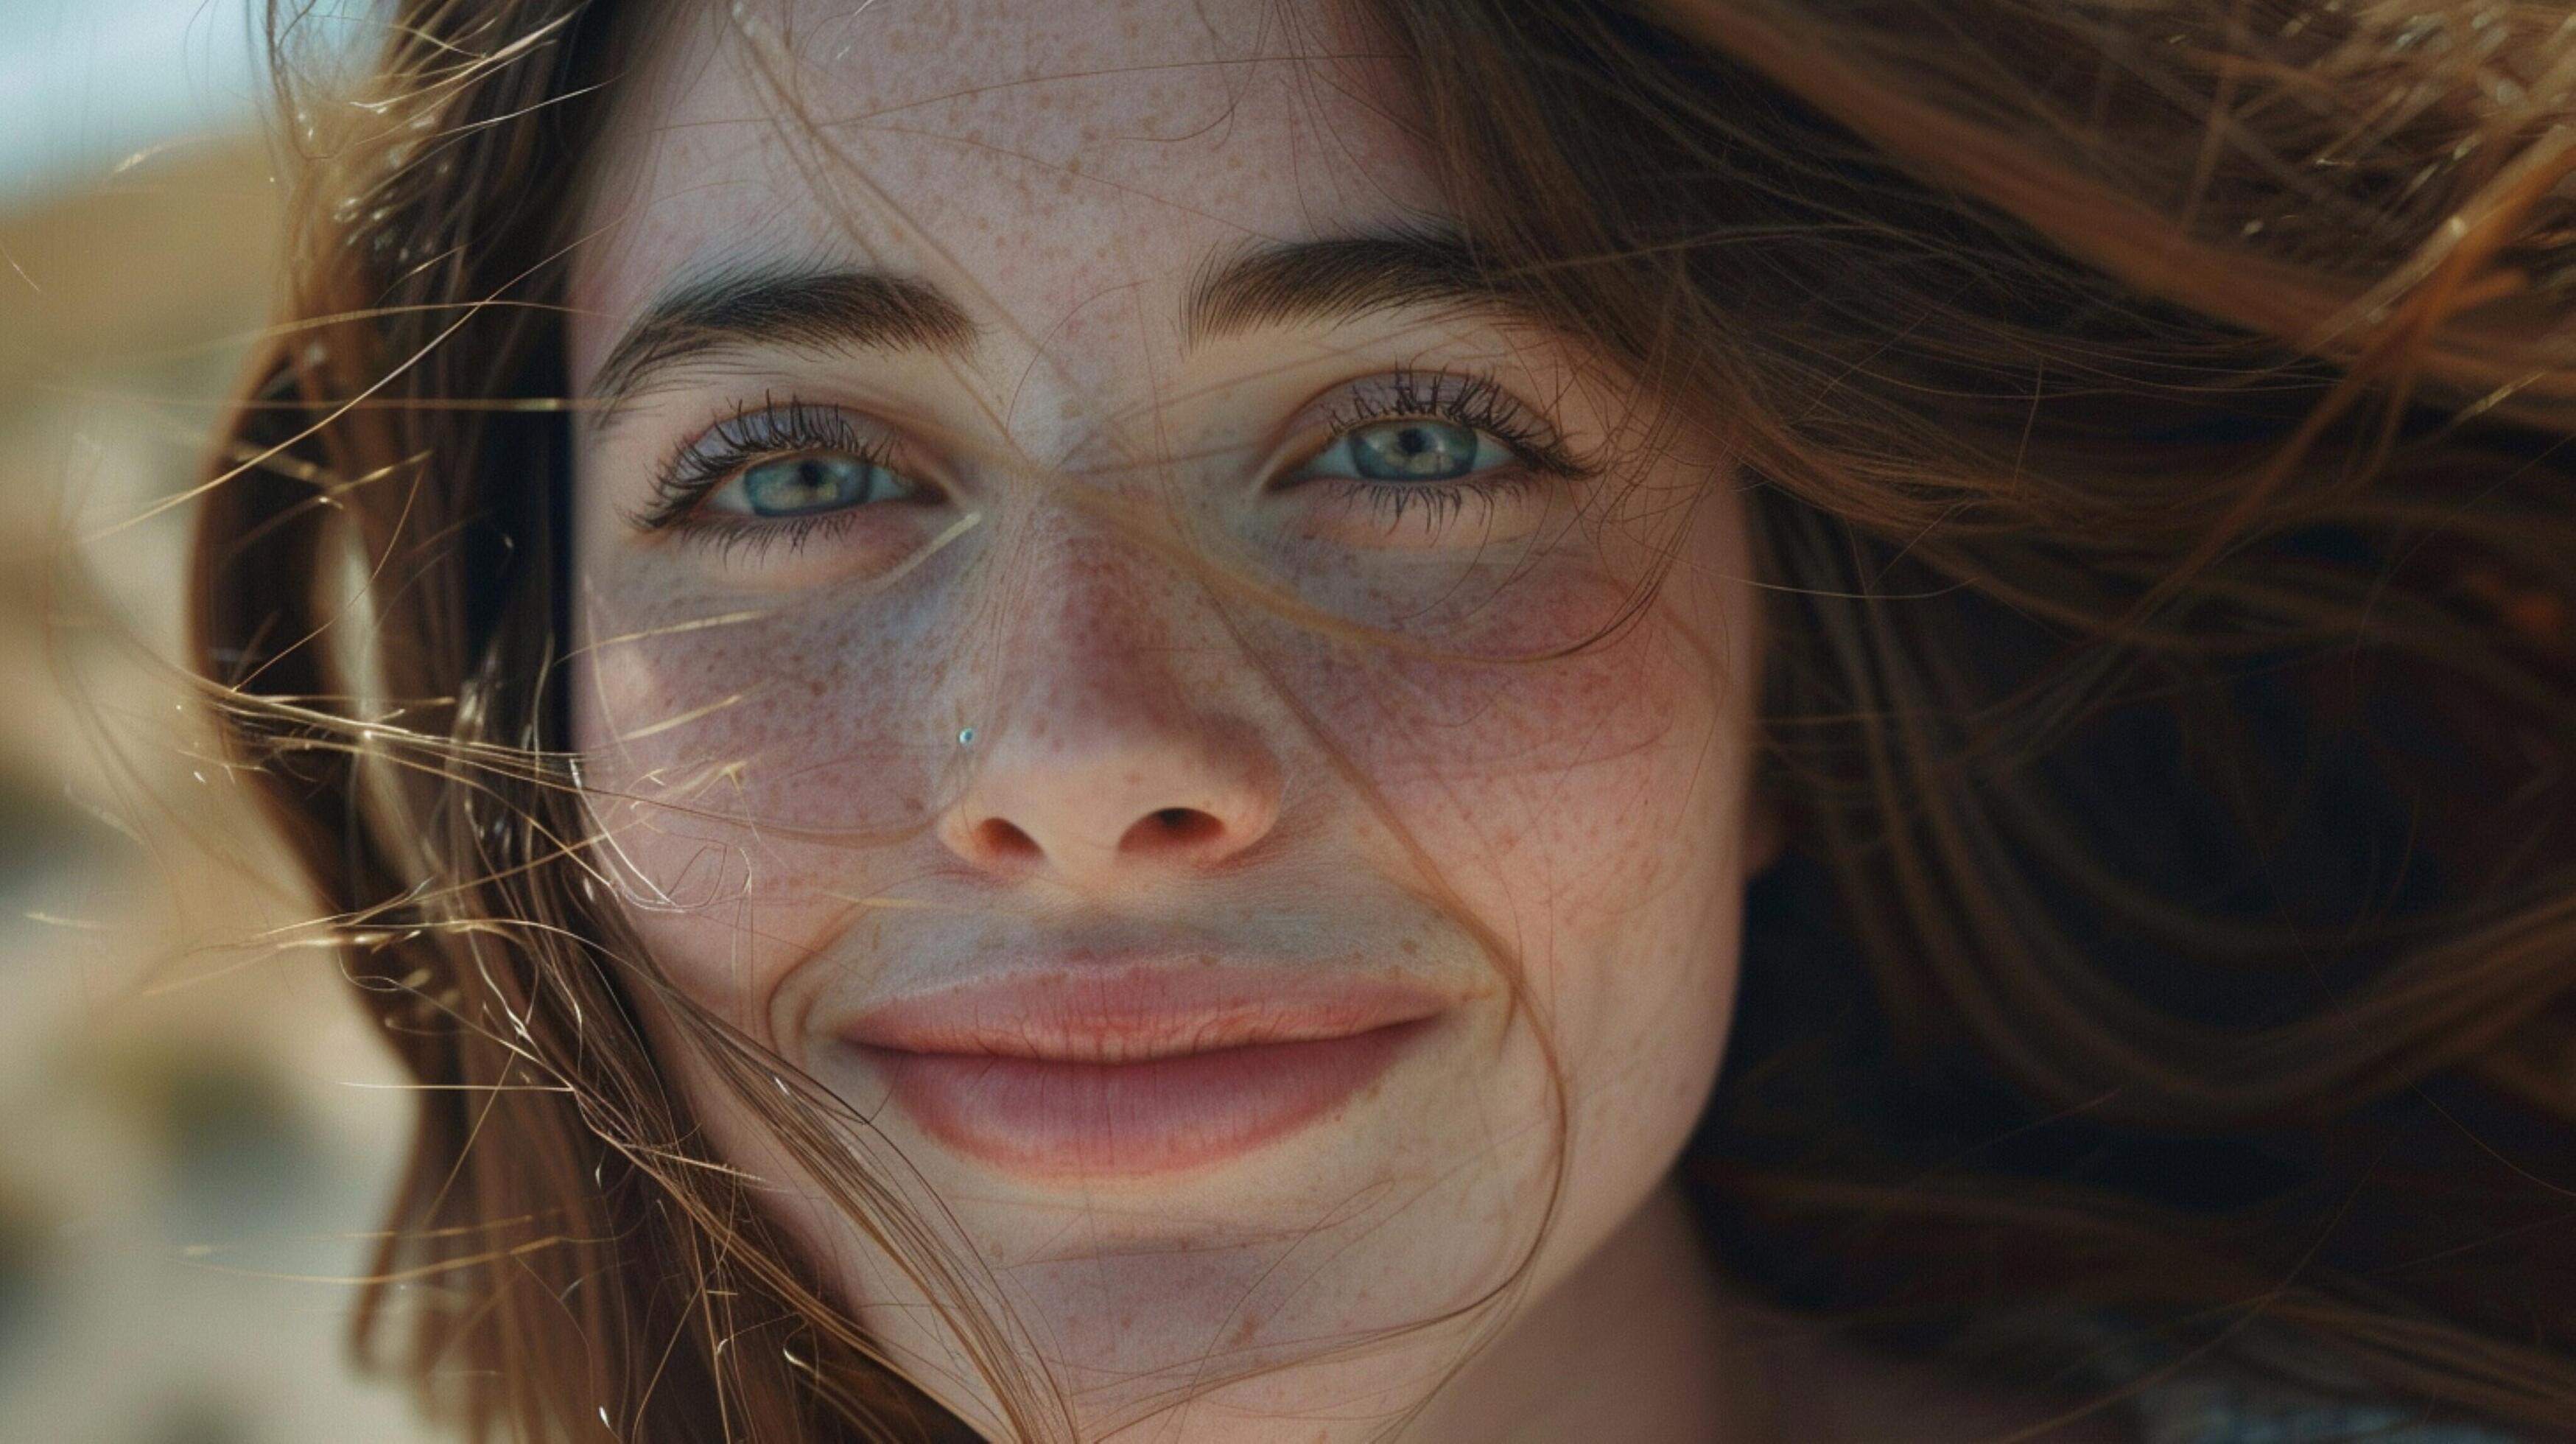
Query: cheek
pixel 745 764
pixel 1568 727
pixel 1574 780
pixel 1585 808
pixel 1585 800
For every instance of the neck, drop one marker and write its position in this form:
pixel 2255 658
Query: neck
pixel 1637 1344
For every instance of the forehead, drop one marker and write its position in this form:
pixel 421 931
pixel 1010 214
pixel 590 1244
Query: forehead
pixel 1051 163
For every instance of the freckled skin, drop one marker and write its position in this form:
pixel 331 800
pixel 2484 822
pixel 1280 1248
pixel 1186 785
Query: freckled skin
pixel 770 736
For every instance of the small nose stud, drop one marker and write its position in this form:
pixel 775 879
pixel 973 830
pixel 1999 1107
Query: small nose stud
pixel 965 736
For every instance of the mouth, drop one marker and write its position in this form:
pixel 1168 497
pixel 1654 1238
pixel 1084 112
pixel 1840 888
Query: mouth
pixel 1090 1073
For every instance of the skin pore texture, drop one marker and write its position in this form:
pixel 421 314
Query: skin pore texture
pixel 1100 520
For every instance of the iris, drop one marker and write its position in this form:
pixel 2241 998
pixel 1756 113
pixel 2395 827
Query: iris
pixel 804 485
pixel 1412 450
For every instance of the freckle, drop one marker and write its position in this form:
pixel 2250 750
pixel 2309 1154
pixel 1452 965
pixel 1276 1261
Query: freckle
pixel 1069 409
pixel 1410 946
pixel 1243 1332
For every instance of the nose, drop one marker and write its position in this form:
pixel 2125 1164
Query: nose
pixel 1114 758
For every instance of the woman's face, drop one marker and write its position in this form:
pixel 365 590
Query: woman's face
pixel 1101 645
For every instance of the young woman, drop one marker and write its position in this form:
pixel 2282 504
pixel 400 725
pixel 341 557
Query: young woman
pixel 1446 719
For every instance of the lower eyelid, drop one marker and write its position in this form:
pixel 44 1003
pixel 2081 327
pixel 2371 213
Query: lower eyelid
pixel 733 538
pixel 1433 508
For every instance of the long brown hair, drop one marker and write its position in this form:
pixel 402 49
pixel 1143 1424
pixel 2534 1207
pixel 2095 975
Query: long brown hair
pixel 2152 420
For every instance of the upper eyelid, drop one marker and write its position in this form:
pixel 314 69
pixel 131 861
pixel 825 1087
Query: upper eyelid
pixel 1528 427
pixel 1366 399
pixel 781 424
pixel 685 477
pixel 777 422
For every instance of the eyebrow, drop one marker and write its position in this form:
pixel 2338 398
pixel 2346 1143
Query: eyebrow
pixel 1334 278
pixel 773 306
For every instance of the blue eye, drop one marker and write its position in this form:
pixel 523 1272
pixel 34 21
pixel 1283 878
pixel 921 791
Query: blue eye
pixel 1412 449
pixel 792 486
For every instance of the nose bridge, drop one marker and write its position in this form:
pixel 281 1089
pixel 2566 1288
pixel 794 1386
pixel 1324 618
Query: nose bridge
pixel 1086 626
pixel 1076 389
pixel 1110 745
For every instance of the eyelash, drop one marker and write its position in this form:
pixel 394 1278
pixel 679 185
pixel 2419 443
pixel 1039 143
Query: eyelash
pixel 773 429
pixel 1469 401
pixel 768 431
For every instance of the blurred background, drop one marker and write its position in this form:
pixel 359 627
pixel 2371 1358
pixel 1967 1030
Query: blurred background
pixel 196 1127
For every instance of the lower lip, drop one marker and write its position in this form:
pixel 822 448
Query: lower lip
pixel 1053 1119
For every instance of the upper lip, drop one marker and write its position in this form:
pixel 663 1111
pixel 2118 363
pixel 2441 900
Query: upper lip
pixel 1090 1013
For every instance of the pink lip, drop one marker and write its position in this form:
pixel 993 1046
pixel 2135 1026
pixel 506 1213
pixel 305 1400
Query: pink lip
pixel 1098 1072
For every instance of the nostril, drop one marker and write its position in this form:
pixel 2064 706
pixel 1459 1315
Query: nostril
pixel 1171 828
pixel 1000 838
